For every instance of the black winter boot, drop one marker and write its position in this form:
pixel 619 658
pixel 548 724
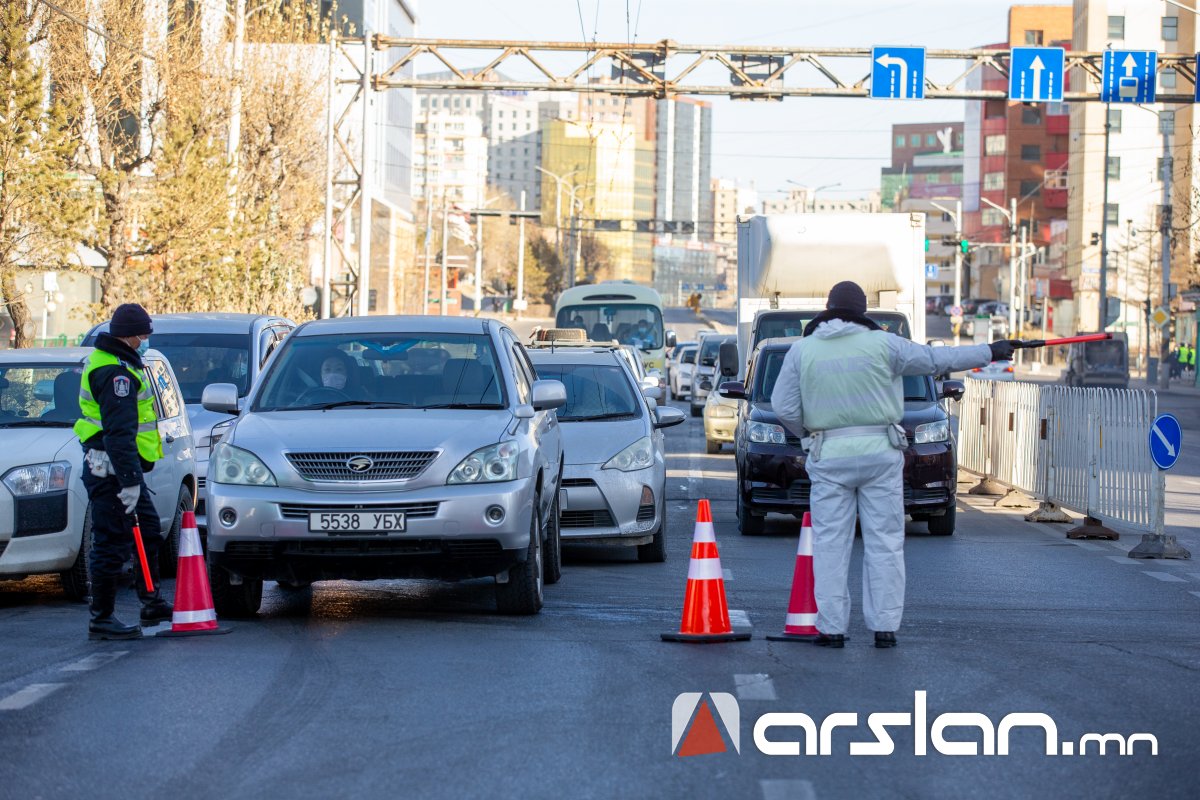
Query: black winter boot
pixel 885 639
pixel 104 624
pixel 834 640
pixel 154 608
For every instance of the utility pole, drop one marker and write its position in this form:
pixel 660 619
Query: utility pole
pixel 576 248
pixel 1022 294
pixel 233 143
pixel 1166 121
pixel 364 190
pixel 1012 267
pixel 327 250
pixel 519 303
pixel 958 252
pixel 445 249
pixel 478 263
pixel 1104 226
pixel 428 213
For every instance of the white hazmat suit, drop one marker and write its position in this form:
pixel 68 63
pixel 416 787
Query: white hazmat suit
pixel 842 389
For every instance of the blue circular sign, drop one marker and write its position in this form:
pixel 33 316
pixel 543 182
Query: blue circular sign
pixel 1166 440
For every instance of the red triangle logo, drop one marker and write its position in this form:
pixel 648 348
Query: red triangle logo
pixel 703 737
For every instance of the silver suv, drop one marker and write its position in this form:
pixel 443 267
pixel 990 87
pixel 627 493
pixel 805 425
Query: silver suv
pixel 388 447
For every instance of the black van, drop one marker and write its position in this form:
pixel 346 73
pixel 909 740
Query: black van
pixel 1102 364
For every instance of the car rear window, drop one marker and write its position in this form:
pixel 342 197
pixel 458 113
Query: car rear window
pixel 199 359
pixel 916 387
pixel 1104 354
pixel 593 391
pixel 418 370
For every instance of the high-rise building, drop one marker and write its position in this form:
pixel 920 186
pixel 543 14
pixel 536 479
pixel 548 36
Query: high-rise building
pixel 451 154
pixel 927 162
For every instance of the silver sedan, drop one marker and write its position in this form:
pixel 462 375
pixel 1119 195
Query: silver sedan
pixel 614 482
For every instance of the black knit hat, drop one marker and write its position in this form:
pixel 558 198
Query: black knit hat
pixel 130 319
pixel 848 296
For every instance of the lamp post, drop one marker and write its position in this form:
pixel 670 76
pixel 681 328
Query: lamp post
pixel 1010 214
pixel 559 180
pixel 819 188
pixel 479 255
pixel 956 217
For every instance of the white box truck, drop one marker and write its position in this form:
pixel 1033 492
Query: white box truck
pixel 787 263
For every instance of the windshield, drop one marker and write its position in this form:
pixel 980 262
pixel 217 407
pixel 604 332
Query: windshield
pixel 39 395
pixel 638 325
pixel 593 391
pixel 916 387
pixel 417 370
pixel 773 326
pixel 689 356
pixel 203 358
pixel 710 349
pixel 1110 354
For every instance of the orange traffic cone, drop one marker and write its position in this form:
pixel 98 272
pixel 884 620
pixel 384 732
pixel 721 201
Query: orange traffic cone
pixel 194 613
pixel 705 612
pixel 801 622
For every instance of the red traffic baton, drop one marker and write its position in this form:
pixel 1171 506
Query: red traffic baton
pixel 1088 337
pixel 141 549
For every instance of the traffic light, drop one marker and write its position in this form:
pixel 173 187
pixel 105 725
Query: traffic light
pixel 1095 239
pixel 926 245
pixel 964 246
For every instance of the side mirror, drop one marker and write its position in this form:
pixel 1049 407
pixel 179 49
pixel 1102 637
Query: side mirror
pixel 729 359
pixel 953 390
pixel 733 390
pixel 668 416
pixel 652 392
pixel 670 339
pixel 220 397
pixel 548 395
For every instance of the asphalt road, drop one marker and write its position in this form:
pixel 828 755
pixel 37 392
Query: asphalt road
pixel 415 689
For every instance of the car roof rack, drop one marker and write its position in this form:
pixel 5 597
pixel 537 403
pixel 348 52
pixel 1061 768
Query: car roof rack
pixel 566 337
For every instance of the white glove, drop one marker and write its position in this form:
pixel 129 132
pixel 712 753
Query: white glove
pixel 99 463
pixel 129 496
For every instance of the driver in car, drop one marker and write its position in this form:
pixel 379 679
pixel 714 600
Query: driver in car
pixel 643 334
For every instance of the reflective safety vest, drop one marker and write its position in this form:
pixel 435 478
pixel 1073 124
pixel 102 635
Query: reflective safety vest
pixel 1183 354
pixel 1191 356
pixel 89 424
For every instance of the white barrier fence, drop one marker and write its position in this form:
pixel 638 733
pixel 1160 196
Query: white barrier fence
pixel 1080 449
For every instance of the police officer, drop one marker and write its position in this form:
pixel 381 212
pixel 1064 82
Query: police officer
pixel 841 388
pixel 119 431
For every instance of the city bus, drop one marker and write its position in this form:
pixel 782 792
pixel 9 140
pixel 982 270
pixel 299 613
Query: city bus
pixel 620 310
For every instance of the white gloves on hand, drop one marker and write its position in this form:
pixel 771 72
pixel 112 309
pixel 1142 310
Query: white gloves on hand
pixel 99 463
pixel 129 497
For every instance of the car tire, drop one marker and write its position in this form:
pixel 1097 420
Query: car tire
pixel 697 410
pixel 522 594
pixel 748 523
pixel 711 447
pixel 552 550
pixel 236 602
pixel 943 525
pixel 75 580
pixel 168 553
pixel 655 551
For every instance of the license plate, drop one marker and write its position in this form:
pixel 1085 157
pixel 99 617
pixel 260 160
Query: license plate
pixel 356 521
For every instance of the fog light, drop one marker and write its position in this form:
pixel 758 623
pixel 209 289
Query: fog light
pixel 494 514
pixel 228 517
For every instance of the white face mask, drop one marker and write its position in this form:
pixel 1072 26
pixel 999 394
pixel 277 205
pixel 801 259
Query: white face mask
pixel 333 380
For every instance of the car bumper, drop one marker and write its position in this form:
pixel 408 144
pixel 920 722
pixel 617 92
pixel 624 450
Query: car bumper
pixel 31 549
pixel 604 505
pixel 719 429
pixel 446 534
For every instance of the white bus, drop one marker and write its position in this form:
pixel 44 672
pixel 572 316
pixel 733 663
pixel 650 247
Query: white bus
pixel 620 310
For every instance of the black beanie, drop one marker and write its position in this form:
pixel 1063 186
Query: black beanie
pixel 130 319
pixel 848 296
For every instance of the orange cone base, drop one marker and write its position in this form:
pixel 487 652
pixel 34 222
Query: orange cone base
pixel 791 637
pixel 180 634
pixel 706 638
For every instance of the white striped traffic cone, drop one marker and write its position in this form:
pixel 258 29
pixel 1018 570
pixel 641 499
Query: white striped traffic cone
pixel 801 622
pixel 194 613
pixel 705 611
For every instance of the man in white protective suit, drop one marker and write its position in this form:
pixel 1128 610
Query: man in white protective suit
pixel 841 388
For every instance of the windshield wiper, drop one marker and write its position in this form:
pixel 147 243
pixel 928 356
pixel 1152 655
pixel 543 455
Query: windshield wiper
pixel 610 415
pixel 464 405
pixel 350 404
pixel 36 423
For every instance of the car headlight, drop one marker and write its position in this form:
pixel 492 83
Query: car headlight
pixel 38 478
pixel 721 410
pixel 638 455
pixel 238 467
pixel 932 432
pixel 219 432
pixel 491 464
pixel 766 433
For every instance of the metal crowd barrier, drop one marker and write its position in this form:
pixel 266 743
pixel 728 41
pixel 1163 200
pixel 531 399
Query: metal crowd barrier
pixel 1066 448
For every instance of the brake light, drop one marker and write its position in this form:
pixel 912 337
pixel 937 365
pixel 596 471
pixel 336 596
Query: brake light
pixel 1008 369
pixel 977 369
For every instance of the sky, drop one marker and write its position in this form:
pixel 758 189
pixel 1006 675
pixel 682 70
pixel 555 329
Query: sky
pixel 813 142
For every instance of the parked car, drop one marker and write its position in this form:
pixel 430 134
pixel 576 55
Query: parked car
pixel 212 348
pixel 997 314
pixel 614 481
pixel 652 381
pixel 680 368
pixel 770 461
pixel 938 303
pixel 388 447
pixel 1099 364
pixel 704 379
pixel 720 421
pixel 995 371
pixel 45 519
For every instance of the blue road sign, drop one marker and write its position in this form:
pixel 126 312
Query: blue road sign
pixel 1035 74
pixel 1166 440
pixel 898 72
pixel 931 271
pixel 1128 76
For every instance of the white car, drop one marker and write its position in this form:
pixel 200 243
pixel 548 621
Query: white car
pixel 683 364
pixel 45 524
pixel 652 381
pixel 720 422
pixel 995 371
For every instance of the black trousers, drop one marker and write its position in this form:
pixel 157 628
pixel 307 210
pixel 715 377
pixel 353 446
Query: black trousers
pixel 112 528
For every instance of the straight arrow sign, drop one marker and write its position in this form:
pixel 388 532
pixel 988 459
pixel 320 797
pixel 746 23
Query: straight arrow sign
pixel 1036 67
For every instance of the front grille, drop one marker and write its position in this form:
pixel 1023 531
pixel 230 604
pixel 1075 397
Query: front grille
pixel 797 493
pixel 577 482
pixel 791 439
pixel 201 484
pixel 44 514
pixel 586 519
pixel 258 551
pixel 912 495
pixel 474 548
pixel 398 465
pixel 266 551
pixel 645 513
pixel 410 510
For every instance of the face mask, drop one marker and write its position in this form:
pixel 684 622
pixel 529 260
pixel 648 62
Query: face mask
pixel 334 380
pixel 143 346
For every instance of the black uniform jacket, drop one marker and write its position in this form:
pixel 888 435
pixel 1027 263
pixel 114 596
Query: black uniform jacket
pixel 115 389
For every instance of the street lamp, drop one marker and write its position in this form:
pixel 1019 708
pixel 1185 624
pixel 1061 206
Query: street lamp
pixel 956 216
pixel 479 254
pixel 1010 214
pixel 819 188
pixel 559 180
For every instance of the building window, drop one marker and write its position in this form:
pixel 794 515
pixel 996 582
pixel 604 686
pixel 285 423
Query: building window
pixel 1166 79
pixel 1031 115
pixel 900 140
pixel 993 109
pixel 1170 29
pixel 1031 152
pixel 1158 169
pixel 1033 37
pixel 993 182
pixel 995 145
pixel 1116 27
pixel 915 140
pixel 1114 168
pixel 1030 189
pixel 930 139
pixel 1112 214
pixel 1114 120
pixel 991 218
